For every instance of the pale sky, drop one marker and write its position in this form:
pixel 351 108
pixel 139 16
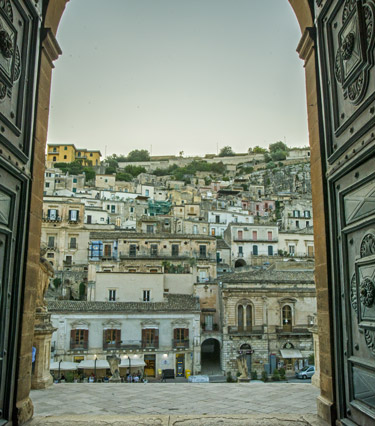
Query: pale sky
pixel 178 75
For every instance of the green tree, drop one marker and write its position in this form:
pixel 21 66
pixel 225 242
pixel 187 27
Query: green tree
pixel 259 150
pixel 278 155
pixel 124 177
pixel 278 146
pixel 134 170
pixel 226 151
pixel 267 158
pixel 89 173
pixel 138 155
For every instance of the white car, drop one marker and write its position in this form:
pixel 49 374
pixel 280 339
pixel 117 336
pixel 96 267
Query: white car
pixel 306 372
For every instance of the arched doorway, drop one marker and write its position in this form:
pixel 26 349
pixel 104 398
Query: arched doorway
pixel 246 351
pixel 210 357
pixel 239 263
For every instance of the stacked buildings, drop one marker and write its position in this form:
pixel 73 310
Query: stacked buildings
pixel 186 275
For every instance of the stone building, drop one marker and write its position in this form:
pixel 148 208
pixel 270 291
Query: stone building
pixel 121 251
pixel 250 240
pixel 267 317
pixel 297 243
pixel 56 180
pixel 297 214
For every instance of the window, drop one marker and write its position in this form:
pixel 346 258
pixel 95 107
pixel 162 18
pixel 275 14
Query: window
pixel 240 317
pixel 249 317
pixel 107 250
pixel 47 184
pixel 310 251
pixel 54 149
pixel 217 219
pixel 146 295
pixel 150 338
pixel 266 206
pixel 270 250
pixel 111 338
pixel 51 242
pixel 79 339
pixel 195 229
pixel 269 233
pixel 297 223
pixel 113 208
pixel 240 251
pixel 74 189
pixel 154 249
pixel 79 154
pixel 65 157
pixel 73 215
pixel 65 148
pixel 147 192
pixel 255 250
pixel 287 318
pixel 54 159
pixel 292 249
pixel 52 214
pixel 240 235
pixel 174 249
pixel 68 260
pixel 296 213
pixel 131 209
pixel 90 154
pixel 73 243
pixel 132 250
pixel 255 235
pixel 181 337
pixel 150 229
pixel 208 322
pixel 50 255
pixel 74 180
pixel 307 214
pixel 89 219
pixel 202 251
pixel 112 295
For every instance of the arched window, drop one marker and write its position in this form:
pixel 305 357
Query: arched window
pixel 240 317
pixel 249 318
pixel 287 318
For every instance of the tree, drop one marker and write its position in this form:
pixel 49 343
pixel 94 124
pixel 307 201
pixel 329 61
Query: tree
pixel 226 151
pixel 124 177
pixel 278 146
pixel 278 155
pixel 138 155
pixel 89 173
pixel 259 150
pixel 267 158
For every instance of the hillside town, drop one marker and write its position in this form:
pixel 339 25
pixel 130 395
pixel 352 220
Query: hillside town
pixel 192 264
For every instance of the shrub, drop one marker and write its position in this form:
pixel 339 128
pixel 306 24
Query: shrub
pixel 264 376
pixel 229 377
pixel 276 375
pixel 254 375
pixel 282 373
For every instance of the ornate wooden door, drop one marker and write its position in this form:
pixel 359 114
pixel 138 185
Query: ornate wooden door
pixel 19 48
pixel 346 38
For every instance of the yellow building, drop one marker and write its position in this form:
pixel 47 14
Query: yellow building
pixel 67 153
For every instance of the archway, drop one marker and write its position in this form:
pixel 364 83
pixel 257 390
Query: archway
pixel 246 351
pixel 239 263
pixel 49 52
pixel 210 357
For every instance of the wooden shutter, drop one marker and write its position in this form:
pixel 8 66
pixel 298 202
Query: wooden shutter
pixel 186 334
pixel 118 338
pixel 72 339
pixel 143 338
pixel 156 341
pixel 104 339
pixel 85 339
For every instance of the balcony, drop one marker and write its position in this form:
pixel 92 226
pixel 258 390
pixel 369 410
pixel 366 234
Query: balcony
pixel 147 344
pixel 209 328
pixel 80 346
pixel 302 330
pixel 51 219
pixel 177 343
pixel 52 248
pixel 246 330
pixel 258 240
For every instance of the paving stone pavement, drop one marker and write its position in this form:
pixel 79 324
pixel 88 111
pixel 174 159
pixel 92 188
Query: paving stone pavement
pixel 176 403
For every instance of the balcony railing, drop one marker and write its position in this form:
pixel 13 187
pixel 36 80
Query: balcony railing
pixel 258 240
pixel 209 328
pixel 295 330
pixel 51 247
pixel 79 346
pixel 246 330
pixel 53 219
pixel 147 344
pixel 177 343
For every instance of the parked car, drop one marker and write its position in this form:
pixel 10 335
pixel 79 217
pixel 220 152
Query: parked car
pixel 306 372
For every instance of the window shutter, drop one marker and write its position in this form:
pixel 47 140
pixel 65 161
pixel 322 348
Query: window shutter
pixel 49 213
pixel 70 214
pixel 118 338
pixel 143 337
pixel 104 339
pixel 175 334
pixel 156 338
pixel 85 339
pixel 186 334
pixel 77 217
pixel 72 339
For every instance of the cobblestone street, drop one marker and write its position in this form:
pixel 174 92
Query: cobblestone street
pixel 164 400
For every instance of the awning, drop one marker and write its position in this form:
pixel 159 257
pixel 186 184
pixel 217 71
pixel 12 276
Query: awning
pixel 102 364
pixel 63 365
pixel 290 353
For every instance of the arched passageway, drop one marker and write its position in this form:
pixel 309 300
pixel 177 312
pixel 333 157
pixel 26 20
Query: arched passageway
pixel 239 263
pixel 210 357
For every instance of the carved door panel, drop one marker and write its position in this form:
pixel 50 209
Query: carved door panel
pixel 345 38
pixel 19 50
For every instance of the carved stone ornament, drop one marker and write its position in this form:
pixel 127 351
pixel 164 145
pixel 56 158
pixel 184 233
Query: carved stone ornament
pixel 3 91
pixel 6 44
pixel 353 293
pixel 7 8
pixel 368 245
pixel 354 55
pixel 367 292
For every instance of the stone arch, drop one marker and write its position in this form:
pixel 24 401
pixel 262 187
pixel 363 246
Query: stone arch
pixel 239 263
pixel 49 52
pixel 211 356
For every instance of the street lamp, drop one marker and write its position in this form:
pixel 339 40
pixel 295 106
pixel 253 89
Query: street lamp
pixel 95 359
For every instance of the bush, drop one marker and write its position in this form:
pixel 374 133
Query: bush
pixel 276 375
pixel 254 375
pixel 264 376
pixel 282 373
pixel 229 377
